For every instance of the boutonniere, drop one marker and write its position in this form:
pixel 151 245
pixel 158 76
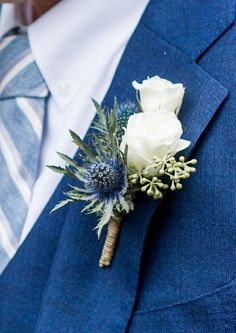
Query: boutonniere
pixel 133 149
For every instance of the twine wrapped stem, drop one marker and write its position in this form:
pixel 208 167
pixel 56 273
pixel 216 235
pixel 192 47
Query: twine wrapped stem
pixel 113 231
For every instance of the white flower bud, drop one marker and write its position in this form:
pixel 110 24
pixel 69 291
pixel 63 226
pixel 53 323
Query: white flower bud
pixel 157 93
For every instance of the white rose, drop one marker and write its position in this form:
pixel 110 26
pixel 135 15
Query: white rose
pixel 152 134
pixel 157 93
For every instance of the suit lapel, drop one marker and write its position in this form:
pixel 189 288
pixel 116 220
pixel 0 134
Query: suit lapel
pixel 191 26
pixel 70 290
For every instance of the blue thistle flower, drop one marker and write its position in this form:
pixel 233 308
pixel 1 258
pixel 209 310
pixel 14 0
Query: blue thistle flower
pixel 102 177
pixel 106 179
pixel 125 110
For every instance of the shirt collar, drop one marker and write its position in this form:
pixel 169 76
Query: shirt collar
pixel 67 51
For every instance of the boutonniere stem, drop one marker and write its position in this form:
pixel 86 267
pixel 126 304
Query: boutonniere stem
pixel 113 231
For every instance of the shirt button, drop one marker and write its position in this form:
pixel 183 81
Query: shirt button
pixel 63 88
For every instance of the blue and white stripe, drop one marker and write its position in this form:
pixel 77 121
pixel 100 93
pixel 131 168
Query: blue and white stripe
pixel 23 96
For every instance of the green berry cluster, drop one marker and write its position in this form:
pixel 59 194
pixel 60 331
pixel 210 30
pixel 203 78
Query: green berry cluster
pixel 153 179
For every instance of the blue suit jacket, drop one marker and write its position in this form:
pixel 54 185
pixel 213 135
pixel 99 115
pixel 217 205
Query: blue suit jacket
pixel 175 267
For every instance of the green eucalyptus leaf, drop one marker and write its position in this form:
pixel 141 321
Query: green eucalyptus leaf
pixel 57 169
pixel 69 160
pixel 97 105
pixel 82 145
pixel 116 105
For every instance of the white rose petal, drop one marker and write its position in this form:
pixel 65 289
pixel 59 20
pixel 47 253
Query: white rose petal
pixel 152 134
pixel 157 93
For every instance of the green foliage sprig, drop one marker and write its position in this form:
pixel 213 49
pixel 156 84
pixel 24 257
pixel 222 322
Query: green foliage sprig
pixel 153 179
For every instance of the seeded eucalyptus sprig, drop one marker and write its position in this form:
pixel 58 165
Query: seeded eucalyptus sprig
pixel 153 180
